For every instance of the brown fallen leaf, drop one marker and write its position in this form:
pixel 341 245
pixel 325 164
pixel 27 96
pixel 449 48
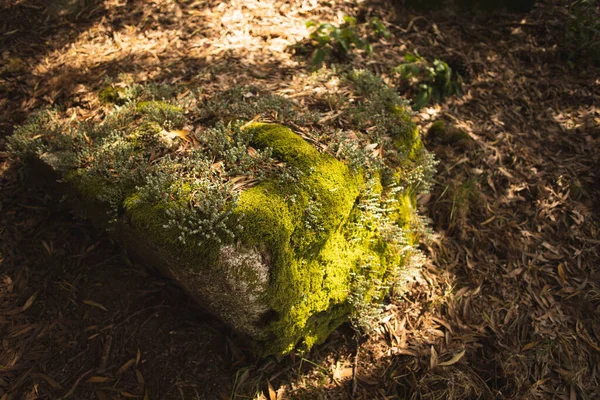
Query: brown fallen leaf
pixel 433 358
pixel 48 247
pixel 252 152
pixel 51 382
pixel 94 304
pixel 489 220
pixel 139 376
pixel 138 356
pixel 21 331
pixel 561 274
pixel 126 366
pixel 247 124
pixel 272 393
pixel 180 133
pixel 29 302
pixel 130 395
pixel 341 374
pixel 456 358
pixel 530 345
pixel 97 379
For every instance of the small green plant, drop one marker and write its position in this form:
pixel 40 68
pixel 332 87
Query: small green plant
pixel 380 29
pixel 583 30
pixel 433 81
pixel 336 40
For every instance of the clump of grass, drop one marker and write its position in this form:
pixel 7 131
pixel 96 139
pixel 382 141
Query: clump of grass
pixel 386 117
pixel 143 147
pixel 379 28
pixel 247 103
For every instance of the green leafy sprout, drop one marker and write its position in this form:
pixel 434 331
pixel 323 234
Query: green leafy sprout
pixel 339 40
pixel 433 81
pixel 379 28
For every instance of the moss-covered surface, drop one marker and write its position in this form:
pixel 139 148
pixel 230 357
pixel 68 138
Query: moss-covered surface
pixel 110 94
pixel 304 227
pixel 277 238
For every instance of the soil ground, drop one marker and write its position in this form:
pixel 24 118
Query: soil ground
pixel 507 305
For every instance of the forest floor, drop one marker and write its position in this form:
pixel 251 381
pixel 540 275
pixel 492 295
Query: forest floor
pixel 507 305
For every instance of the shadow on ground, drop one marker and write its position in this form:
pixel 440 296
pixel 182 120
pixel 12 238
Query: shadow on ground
pixel 86 320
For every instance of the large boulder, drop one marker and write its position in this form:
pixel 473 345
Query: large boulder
pixel 276 238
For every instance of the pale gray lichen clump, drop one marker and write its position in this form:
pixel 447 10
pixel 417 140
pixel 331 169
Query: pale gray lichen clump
pixel 280 239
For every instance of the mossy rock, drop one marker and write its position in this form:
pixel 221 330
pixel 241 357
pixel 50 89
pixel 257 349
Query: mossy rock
pixel 286 272
pixel 282 282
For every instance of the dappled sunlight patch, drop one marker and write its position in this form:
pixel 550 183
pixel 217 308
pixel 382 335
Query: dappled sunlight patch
pixel 584 119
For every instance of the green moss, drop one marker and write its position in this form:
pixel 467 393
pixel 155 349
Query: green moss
pixel 465 197
pixel 312 268
pixel 13 66
pixel 147 134
pixel 167 115
pixel 145 107
pixel 310 265
pixel 437 129
pixel 111 95
pixel 149 217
